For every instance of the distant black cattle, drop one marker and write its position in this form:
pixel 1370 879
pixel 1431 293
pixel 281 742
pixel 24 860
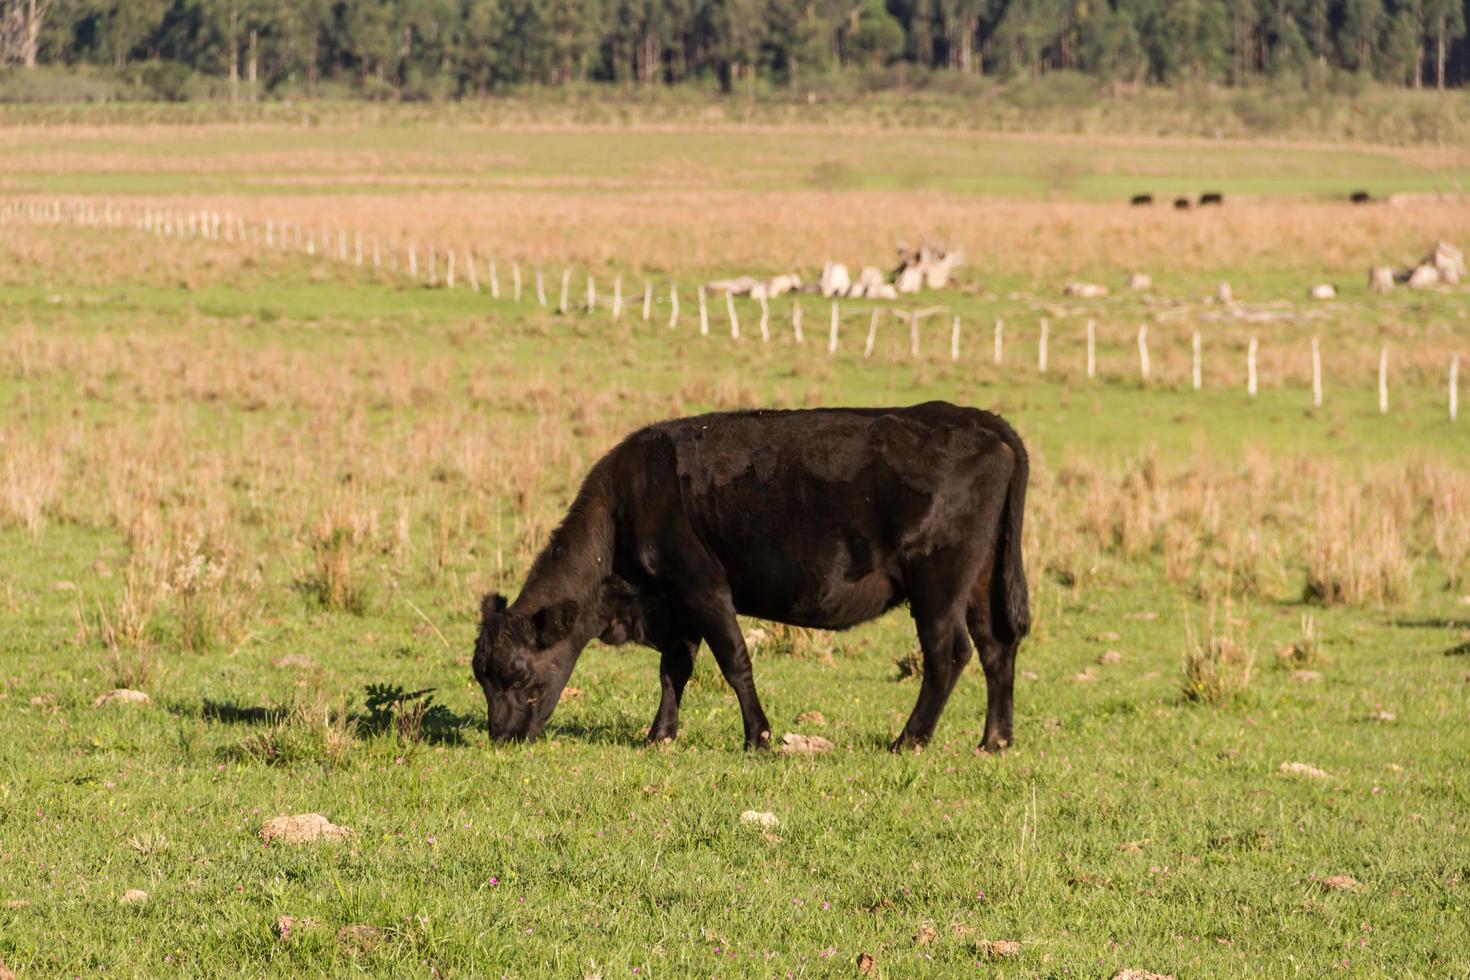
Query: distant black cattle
pixel 1209 198
pixel 823 518
pixel 1141 200
pixel 1361 197
pixel 1181 204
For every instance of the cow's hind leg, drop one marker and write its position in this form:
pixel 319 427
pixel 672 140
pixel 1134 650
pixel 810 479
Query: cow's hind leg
pixel 940 622
pixel 998 659
pixel 675 667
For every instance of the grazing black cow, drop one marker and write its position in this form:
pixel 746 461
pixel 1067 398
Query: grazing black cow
pixel 1181 204
pixel 1141 200
pixel 1209 198
pixel 823 518
pixel 1361 197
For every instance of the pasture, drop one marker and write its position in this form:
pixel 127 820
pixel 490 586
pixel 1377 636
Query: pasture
pixel 267 489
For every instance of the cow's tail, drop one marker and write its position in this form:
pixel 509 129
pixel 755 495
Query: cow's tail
pixel 1010 602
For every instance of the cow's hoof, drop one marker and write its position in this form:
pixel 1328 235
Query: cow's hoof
pixel 906 743
pixel 760 742
pixel 994 745
pixel 662 736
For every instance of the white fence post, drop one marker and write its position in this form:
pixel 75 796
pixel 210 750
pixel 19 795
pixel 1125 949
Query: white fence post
pixel 765 320
pixel 566 289
pixel 647 301
pixel 1454 386
pixel 832 334
pixel 591 293
pixel 796 322
pixel 1041 346
pixel 914 337
pixel 730 310
pixel 449 270
pixel 703 313
pixel 1383 381
pixel 617 297
pixel 673 305
pixel 1197 363
pixel 1250 367
pixel 469 267
pixel 954 340
pixel 872 335
pixel 1000 326
pixel 1143 352
pixel 495 281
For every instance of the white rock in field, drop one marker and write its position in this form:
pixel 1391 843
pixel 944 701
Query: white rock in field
pixel 1302 769
pixel 1084 290
pixel 781 285
pixel 910 280
pixel 301 829
pixel 765 821
pixel 1380 278
pixel 1423 277
pixel 794 744
pixel 1323 290
pixel 133 896
pixel 835 281
pixel 121 695
pixel 1448 261
pixel 1339 883
pixel 1139 280
pixel 1110 657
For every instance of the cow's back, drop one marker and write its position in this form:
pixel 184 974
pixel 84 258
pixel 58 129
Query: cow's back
pixel 813 513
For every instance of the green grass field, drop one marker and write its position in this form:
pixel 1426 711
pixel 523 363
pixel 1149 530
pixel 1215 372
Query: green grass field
pixel 268 492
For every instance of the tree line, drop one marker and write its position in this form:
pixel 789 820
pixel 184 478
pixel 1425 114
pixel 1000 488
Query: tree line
pixel 448 48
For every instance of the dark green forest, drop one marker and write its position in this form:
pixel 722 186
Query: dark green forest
pixel 411 49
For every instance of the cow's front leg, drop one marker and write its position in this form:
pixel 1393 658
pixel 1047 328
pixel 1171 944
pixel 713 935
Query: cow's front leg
pixel 711 610
pixel 675 667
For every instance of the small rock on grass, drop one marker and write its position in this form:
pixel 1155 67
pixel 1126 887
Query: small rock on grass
pixel 1306 676
pixel 569 694
pixel 926 934
pixel 1110 657
pixel 1302 769
pixel 1340 883
pixel 811 718
pixel 134 896
pixel 866 964
pixel 1106 636
pixel 301 829
pixel 794 744
pixel 756 818
pixel 6 973
pixel 996 949
pixel 1030 675
pixel 1088 676
pixel 121 695
pixel 1383 716
pixel 1141 975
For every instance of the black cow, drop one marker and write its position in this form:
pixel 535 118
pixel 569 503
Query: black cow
pixel 1209 198
pixel 823 518
pixel 1141 200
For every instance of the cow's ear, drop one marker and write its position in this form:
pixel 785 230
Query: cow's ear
pixel 491 605
pixel 554 622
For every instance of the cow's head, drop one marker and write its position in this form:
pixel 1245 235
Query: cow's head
pixel 521 662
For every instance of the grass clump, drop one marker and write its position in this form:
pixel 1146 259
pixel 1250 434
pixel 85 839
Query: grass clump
pixel 309 731
pixel 1218 666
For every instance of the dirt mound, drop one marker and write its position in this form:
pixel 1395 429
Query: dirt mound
pixel 794 744
pixel 301 829
pixel 121 695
